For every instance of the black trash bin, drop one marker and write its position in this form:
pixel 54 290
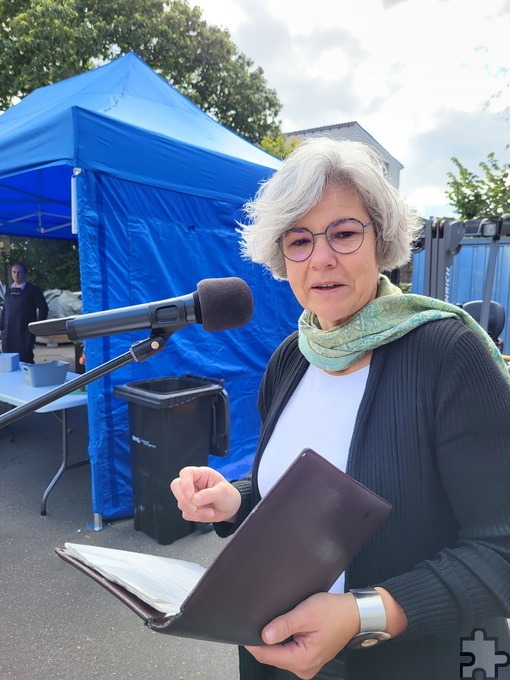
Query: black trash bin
pixel 173 422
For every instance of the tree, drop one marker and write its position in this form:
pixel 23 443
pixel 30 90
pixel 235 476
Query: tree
pixel 277 145
pixel 44 41
pixel 485 195
pixel 51 263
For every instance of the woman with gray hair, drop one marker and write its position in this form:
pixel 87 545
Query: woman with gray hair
pixel 405 393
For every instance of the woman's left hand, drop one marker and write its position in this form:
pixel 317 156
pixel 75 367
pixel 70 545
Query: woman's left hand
pixel 319 628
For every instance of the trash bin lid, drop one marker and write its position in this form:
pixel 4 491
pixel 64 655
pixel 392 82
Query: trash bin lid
pixel 167 392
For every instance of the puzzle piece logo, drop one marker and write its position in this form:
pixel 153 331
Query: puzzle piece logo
pixel 481 655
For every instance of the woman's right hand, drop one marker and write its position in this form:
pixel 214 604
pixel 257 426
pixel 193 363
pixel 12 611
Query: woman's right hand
pixel 204 495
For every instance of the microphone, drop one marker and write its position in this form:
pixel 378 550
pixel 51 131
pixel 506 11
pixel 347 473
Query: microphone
pixel 217 304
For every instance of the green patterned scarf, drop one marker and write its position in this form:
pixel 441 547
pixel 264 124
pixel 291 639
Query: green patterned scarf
pixel 390 316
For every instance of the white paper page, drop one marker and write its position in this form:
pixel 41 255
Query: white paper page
pixel 162 582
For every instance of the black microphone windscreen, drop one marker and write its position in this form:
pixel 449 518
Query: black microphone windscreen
pixel 224 303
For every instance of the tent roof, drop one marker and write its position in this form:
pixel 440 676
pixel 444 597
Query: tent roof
pixel 121 119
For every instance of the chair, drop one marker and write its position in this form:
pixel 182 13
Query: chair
pixel 496 318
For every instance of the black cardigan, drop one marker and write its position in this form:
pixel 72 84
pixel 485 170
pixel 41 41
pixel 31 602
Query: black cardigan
pixel 432 436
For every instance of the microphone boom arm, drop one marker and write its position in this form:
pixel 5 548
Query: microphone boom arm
pixel 161 317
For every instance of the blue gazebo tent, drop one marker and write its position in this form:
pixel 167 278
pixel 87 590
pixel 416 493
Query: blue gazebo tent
pixel 151 187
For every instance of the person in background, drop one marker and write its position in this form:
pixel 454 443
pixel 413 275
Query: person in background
pixel 405 393
pixel 24 303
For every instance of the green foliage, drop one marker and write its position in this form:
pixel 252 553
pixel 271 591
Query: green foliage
pixel 277 145
pixel 51 263
pixel 484 195
pixel 45 41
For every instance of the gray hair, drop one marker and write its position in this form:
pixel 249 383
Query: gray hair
pixel 299 185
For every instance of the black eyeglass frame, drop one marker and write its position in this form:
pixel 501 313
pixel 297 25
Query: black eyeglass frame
pixel 279 240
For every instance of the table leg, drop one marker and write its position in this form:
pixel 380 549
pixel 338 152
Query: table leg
pixel 63 465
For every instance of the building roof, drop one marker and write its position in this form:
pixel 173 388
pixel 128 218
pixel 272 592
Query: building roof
pixel 337 126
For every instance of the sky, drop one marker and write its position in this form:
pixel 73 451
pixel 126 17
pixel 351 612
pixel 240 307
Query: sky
pixel 428 79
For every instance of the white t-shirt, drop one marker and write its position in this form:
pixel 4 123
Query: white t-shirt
pixel 320 415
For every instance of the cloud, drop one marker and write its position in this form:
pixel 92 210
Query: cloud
pixel 313 73
pixel 420 76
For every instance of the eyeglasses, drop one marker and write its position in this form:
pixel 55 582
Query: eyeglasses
pixel 344 236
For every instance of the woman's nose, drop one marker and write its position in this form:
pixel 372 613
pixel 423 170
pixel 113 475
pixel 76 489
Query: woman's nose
pixel 323 254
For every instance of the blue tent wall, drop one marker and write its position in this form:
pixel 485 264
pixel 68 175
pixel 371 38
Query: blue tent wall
pixel 139 244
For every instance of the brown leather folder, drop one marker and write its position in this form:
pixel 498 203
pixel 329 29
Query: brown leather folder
pixel 296 542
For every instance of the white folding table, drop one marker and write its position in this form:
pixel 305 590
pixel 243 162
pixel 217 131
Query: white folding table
pixel 16 392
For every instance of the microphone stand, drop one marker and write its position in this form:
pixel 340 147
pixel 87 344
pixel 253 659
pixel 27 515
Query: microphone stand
pixel 139 351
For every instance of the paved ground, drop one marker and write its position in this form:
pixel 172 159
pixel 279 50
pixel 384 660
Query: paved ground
pixel 54 622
